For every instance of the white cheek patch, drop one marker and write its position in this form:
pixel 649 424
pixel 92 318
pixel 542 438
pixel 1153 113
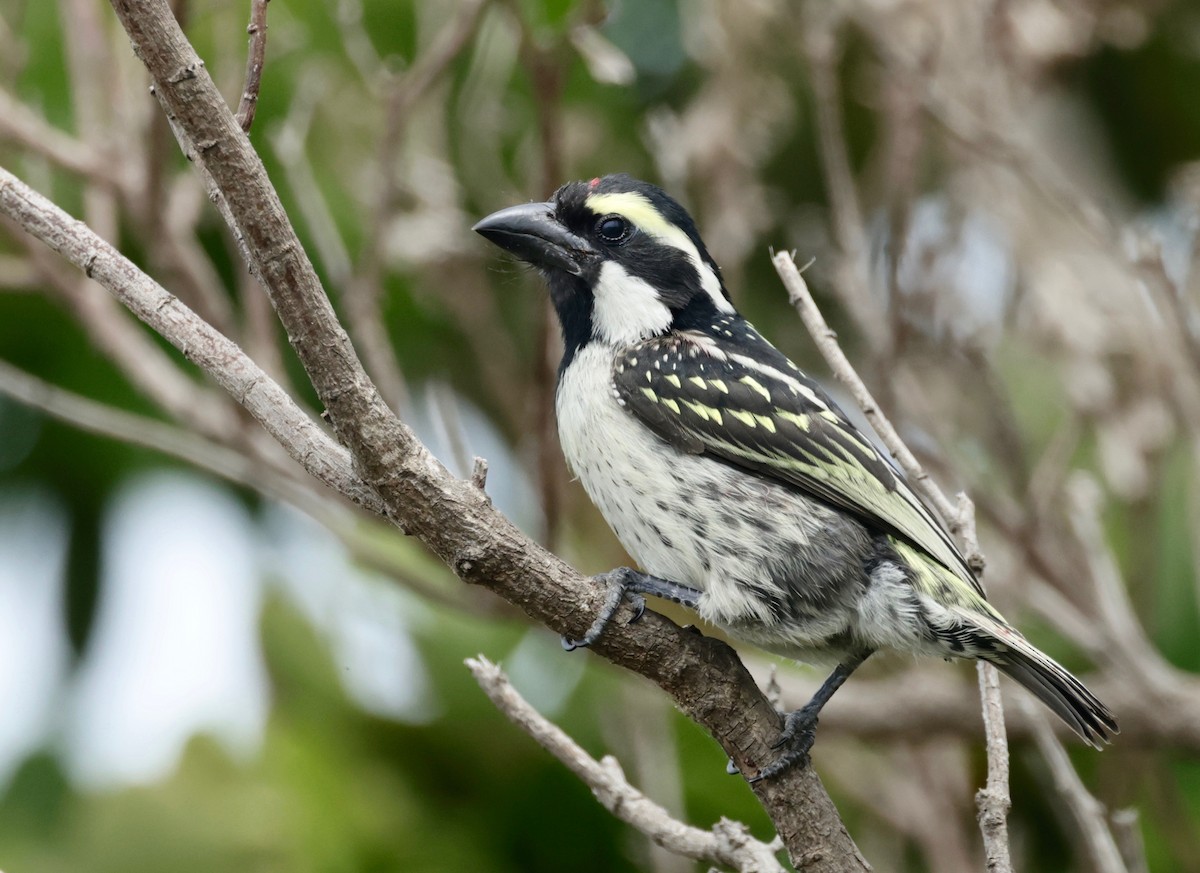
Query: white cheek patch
pixel 639 210
pixel 626 308
pixel 709 281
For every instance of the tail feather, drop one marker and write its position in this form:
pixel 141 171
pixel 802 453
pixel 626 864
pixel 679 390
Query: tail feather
pixel 1066 696
pixel 1046 679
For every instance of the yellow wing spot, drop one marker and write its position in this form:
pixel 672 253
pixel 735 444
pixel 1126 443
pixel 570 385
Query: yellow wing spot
pixel 829 415
pixel 674 380
pixel 707 413
pixel 765 422
pixel 649 376
pixel 744 417
pixel 719 385
pixel 671 405
pixel 650 395
pixel 801 421
pixel 698 382
pixel 757 386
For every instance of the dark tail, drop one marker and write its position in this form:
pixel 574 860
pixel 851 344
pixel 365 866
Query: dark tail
pixel 1066 696
pixel 1047 680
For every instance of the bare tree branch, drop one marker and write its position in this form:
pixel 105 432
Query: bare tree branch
pixel 451 516
pixel 254 63
pixel 729 843
pixel 18 123
pixel 1127 831
pixel 202 345
pixel 994 799
pixel 363 290
pixel 1086 811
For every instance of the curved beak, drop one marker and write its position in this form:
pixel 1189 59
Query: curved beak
pixel 532 233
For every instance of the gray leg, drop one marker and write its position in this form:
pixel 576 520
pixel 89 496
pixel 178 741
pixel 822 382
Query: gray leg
pixel 625 582
pixel 800 727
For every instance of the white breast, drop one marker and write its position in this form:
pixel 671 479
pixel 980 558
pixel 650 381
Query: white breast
pixel 685 517
pixel 625 469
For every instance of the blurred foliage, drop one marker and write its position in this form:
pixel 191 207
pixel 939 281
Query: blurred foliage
pixel 336 789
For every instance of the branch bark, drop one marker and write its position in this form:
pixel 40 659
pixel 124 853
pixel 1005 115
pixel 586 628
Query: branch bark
pixel 451 516
pixel 727 843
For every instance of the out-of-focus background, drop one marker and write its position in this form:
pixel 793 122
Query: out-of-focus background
pixel 1002 200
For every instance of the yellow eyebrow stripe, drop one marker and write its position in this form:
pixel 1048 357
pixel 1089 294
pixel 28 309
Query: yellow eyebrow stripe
pixel 638 209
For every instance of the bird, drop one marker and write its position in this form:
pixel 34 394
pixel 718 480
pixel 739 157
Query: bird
pixel 737 484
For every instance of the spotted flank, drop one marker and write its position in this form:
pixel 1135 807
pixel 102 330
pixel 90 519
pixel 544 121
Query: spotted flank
pixel 742 401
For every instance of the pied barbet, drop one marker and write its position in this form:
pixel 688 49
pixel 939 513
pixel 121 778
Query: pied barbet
pixel 731 477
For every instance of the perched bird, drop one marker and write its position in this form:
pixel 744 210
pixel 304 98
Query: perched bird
pixel 731 477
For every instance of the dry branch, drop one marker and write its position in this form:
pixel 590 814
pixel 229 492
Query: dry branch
pixel 727 843
pixel 451 516
pixel 199 342
pixel 993 800
pixel 254 63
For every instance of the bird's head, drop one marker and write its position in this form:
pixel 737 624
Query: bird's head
pixel 622 259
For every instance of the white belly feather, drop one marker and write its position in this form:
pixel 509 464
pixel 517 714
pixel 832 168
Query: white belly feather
pixel 692 519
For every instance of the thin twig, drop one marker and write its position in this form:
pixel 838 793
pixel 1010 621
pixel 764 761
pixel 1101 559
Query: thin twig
pixel 1127 831
pixel 143 362
pixel 362 291
pixel 729 843
pixel 19 124
pixel 544 66
pixel 994 802
pixel 148 433
pixel 254 63
pixel 479 473
pixel 402 562
pixel 831 351
pixel 203 345
pixel 1087 812
pixel 922 701
pixel 1118 617
pixel 822 47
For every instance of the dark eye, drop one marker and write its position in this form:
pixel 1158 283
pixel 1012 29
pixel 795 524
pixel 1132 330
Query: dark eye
pixel 614 229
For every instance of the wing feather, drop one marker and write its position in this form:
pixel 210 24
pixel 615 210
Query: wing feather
pixel 740 400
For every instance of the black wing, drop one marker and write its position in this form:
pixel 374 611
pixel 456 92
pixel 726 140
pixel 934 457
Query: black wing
pixel 739 399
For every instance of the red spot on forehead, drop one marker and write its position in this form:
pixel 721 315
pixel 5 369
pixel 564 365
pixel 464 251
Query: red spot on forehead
pixel 594 183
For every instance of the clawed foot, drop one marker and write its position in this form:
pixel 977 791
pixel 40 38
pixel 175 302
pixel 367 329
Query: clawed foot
pixel 793 745
pixel 626 583
pixel 620 584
